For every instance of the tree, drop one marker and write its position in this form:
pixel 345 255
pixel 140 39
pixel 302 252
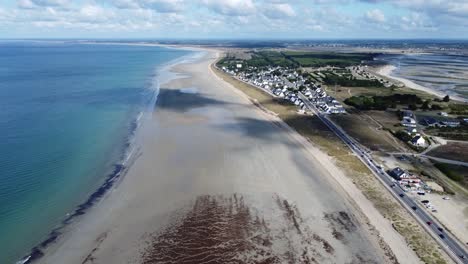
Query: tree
pixel 425 105
pixel 403 136
pixel 436 107
pixel 413 107
pixel 446 98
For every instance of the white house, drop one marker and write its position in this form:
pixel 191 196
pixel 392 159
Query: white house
pixel 418 141
pixel 408 122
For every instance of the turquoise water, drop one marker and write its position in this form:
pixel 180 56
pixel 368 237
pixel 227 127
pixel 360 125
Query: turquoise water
pixel 66 112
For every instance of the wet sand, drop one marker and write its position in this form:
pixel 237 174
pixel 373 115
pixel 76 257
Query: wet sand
pixel 387 70
pixel 216 180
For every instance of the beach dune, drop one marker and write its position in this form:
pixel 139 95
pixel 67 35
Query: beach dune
pixel 216 180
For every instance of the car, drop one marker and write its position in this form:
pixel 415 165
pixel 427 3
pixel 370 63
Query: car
pixel 440 229
pixel 429 223
pixel 462 256
pixel 446 198
pixel 402 195
pixel 425 201
pixel 392 185
pixel 414 207
pixel 441 236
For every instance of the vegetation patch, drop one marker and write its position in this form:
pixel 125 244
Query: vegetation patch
pixel 458 109
pixel 456 173
pixel 363 102
pixel 348 80
pixel 454 133
pixel 300 59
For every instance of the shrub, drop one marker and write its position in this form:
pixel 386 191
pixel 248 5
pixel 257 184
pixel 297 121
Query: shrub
pixel 445 168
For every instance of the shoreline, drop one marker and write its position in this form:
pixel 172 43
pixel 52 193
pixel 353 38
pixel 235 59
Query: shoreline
pixel 143 205
pixel 386 71
pixel 119 168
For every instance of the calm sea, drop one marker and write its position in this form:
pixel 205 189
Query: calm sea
pixel 442 72
pixel 66 113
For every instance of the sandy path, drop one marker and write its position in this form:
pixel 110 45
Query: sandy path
pixel 218 180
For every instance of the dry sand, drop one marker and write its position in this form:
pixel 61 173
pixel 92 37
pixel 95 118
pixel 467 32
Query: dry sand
pixel 217 180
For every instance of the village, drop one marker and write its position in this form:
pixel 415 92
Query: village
pixel 287 83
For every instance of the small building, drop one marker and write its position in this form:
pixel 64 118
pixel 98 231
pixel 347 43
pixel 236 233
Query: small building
pixel 408 122
pixel 239 65
pixel 418 141
pixel 408 113
pixel 451 123
pixel 429 121
pixel 397 173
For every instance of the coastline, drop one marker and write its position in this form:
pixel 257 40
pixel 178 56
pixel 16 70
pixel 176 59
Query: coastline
pixel 119 168
pixel 386 71
pixel 119 227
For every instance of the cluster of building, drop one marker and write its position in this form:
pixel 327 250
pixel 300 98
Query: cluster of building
pixel 434 122
pixel 361 72
pixel 409 122
pixel 287 83
pixel 408 181
pixel 413 184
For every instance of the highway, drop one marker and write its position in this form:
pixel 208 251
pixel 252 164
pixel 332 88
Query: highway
pixel 447 241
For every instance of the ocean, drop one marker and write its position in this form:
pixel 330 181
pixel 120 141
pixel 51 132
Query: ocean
pixel 67 112
pixel 447 73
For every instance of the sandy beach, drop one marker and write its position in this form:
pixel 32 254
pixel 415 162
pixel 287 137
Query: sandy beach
pixel 387 70
pixel 217 180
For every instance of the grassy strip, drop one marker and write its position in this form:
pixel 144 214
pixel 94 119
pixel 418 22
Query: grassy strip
pixel 447 170
pixel 457 173
pixel 314 130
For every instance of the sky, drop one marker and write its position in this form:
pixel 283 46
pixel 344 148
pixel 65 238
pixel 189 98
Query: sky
pixel 234 19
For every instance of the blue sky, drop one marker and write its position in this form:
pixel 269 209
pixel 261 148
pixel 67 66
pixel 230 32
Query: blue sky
pixel 308 19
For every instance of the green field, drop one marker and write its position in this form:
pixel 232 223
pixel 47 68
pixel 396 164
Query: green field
pixel 306 59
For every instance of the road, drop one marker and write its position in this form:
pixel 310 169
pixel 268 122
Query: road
pixel 444 238
pixel 449 161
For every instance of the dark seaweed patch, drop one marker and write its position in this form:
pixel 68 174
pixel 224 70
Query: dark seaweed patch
pixel 37 252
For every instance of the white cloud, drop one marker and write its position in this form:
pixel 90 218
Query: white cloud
pixel 231 7
pixel 26 4
pixel 318 28
pixel 126 4
pixel 94 14
pixel 41 3
pixel 161 6
pixel 375 15
pixel 279 11
pixel 416 21
pixel 243 18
